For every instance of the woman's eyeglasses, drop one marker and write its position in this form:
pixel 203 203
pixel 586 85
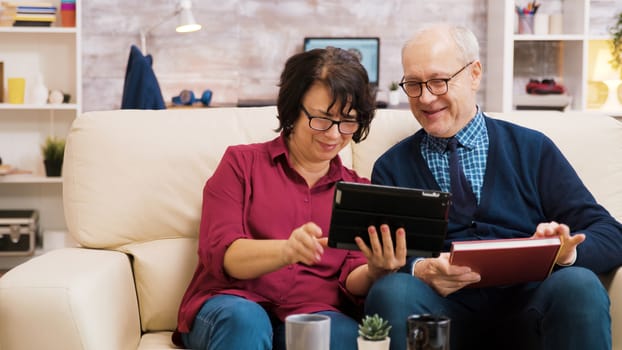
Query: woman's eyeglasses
pixel 345 127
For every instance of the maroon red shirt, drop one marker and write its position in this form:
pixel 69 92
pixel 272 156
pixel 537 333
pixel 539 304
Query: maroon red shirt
pixel 255 193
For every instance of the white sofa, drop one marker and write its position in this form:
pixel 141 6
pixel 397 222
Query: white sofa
pixel 132 184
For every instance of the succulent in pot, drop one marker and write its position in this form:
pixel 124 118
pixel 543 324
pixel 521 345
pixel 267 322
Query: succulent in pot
pixel 374 333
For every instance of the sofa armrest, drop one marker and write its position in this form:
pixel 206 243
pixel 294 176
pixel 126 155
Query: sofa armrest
pixel 70 299
pixel 613 282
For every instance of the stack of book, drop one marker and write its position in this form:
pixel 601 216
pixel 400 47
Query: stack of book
pixel 28 14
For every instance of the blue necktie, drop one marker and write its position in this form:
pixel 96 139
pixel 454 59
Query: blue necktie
pixel 462 197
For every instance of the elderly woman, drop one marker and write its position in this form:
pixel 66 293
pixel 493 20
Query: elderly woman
pixel 266 213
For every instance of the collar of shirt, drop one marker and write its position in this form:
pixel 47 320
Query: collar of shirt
pixel 469 136
pixel 279 151
pixel 474 139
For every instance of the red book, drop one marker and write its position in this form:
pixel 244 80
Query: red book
pixel 507 261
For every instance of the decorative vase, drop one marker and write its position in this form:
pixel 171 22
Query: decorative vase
pixel 394 97
pixel 39 93
pixel 364 344
pixel 53 168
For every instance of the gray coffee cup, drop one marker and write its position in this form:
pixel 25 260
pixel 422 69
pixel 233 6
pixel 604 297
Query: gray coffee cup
pixel 427 332
pixel 307 332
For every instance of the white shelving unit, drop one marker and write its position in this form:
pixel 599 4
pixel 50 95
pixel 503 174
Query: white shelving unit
pixel 54 53
pixel 568 50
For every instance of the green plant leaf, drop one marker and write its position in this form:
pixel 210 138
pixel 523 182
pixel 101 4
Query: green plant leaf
pixel 374 328
pixel 53 149
pixel 616 47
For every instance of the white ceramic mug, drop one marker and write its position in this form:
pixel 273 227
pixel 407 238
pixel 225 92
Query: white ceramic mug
pixel 307 332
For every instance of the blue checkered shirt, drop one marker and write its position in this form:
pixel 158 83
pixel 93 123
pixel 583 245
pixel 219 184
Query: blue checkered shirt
pixel 474 139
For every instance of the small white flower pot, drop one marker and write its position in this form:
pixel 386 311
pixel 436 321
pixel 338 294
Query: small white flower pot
pixel 364 344
pixel 394 97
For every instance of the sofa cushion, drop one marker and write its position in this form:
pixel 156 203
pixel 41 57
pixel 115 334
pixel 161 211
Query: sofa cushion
pixel 87 305
pixel 388 128
pixel 156 340
pixel 162 271
pixel 134 176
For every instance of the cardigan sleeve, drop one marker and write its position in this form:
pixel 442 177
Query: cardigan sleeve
pixel 565 199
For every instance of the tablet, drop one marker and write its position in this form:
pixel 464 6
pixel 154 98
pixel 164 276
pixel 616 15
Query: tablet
pixel 422 213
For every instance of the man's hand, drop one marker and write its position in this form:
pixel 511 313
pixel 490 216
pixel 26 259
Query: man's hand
pixel 568 251
pixel 443 277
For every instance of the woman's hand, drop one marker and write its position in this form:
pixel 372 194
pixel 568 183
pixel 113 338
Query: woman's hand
pixel 305 245
pixel 382 258
pixel 568 251
pixel 252 258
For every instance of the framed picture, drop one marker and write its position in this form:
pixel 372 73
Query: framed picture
pixel 366 48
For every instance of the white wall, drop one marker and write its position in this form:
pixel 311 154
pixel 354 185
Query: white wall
pixel 243 45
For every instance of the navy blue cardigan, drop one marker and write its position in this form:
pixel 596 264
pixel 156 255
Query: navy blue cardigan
pixel 527 181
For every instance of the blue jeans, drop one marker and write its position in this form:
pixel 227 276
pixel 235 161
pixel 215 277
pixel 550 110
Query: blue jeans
pixel 229 322
pixel 568 310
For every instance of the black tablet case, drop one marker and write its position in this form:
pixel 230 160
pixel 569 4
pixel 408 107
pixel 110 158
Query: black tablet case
pixel 422 213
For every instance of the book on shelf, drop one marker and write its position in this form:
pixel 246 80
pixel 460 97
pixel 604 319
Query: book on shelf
pixel 37 9
pixel 507 261
pixel 32 24
pixel 11 4
pixel 28 9
pixel 36 17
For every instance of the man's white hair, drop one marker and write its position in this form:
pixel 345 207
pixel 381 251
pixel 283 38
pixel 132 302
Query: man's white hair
pixel 465 40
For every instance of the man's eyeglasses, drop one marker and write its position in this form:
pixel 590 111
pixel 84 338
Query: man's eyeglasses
pixel 345 127
pixel 436 87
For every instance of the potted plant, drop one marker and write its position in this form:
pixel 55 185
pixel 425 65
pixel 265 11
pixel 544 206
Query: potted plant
pixel 616 44
pixel 374 333
pixel 53 150
pixel 394 94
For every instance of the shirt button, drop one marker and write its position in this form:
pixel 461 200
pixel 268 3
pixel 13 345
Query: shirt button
pixel 306 199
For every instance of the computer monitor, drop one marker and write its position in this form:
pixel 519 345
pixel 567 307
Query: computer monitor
pixel 367 48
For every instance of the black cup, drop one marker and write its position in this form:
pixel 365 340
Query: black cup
pixel 427 332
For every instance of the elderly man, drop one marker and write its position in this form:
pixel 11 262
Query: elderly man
pixel 507 182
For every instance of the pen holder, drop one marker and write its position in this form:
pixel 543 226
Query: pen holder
pixel 525 23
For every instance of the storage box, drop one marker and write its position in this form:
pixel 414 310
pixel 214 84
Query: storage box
pixel 18 232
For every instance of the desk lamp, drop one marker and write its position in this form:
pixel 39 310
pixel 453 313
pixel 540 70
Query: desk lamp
pixel 605 73
pixel 186 22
